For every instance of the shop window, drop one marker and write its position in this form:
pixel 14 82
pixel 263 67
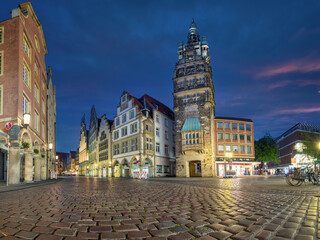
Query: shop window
pixel 159 168
pixel 166 169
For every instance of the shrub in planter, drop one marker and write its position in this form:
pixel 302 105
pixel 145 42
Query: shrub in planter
pixel 36 151
pixel 25 145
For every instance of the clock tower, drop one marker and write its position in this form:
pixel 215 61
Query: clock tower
pixel 194 107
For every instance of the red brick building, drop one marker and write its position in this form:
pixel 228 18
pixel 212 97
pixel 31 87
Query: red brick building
pixel 23 88
pixel 290 145
pixel 235 136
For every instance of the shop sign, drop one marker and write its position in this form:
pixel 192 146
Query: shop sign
pixel 140 175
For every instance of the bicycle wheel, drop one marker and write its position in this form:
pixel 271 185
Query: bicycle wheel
pixel 293 180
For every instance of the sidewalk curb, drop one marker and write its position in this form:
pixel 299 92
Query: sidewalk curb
pixel 18 187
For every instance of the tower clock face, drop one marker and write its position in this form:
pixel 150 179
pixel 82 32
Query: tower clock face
pixel 180 72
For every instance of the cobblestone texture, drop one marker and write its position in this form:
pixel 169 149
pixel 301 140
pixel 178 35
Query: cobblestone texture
pixel 90 208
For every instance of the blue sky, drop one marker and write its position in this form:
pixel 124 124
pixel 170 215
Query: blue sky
pixel 265 57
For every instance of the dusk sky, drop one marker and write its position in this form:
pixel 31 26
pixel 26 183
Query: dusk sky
pixel 265 57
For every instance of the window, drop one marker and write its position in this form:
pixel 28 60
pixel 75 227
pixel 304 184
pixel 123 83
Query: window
pixel 26 47
pixel 242 148
pixel 116 135
pixel 158 132
pixel 235 137
pixel 132 114
pixel 149 144
pixel 227 125
pixel 36 68
pixel 36 93
pixel 227 136
pixel 241 137
pixel 219 125
pixel 36 121
pixel 248 138
pixel 149 128
pixel 166 169
pixel 234 126
pixel 220 136
pixel 166 149
pixel 42 130
pixel 166 135
pixel 124 118
pixel 124 147
pixel 43 107
pixel 173 138
pixel 220 148
pixel 124 98
pixel 159 168
pixel 241 126
pixel 1 34
pixel 117 121
pixel 123 107
pixel 116 149
pixel 191 98
pixel 134 127
pixel 248 127
pixel 1 99
pixel 174 151
pixel 134 144
pixel 124 132
pixel 192 138
pixel 1 63
pixel 173 126
pixel 166 122
pixel 249 149
pixel 228 148
pixel 235 148
pixel 44 84
pixel 158 147
pixel 26 75
pixel 157 118
pixel 25 105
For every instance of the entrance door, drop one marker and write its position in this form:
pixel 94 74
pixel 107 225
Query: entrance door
pixel 2 164
pixel 195 168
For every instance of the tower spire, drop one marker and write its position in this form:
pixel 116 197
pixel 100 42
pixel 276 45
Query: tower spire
pixel 193 34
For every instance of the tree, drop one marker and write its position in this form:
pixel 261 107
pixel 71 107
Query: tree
pixel 311 146
pixel 266 149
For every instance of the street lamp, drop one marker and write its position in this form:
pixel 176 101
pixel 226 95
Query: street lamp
pixel 26 120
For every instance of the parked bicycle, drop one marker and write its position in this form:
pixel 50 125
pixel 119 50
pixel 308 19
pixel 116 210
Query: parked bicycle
pixel 304 175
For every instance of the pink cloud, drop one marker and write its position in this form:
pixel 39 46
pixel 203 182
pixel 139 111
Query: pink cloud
pixel 319 91
pixel 279 84
pixel 299 110
pixel 303 83
pixel 302 65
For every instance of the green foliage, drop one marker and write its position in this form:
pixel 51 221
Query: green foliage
pixel 25 145
pixel 311 145
pixel 266 149
pixel 36 151
pixel 42 156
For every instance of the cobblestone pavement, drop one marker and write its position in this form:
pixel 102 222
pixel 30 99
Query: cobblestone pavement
pixel 170 208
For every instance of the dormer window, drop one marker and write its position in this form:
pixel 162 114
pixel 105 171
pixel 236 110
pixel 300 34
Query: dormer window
pixel 124 99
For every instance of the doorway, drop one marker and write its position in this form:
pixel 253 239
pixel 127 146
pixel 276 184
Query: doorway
pixel 2 166
pixel 22 168
pixel 195 169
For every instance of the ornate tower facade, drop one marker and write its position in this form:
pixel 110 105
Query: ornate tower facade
pixel 194 107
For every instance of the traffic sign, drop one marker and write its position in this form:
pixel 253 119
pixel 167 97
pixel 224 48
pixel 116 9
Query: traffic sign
pixel 8 125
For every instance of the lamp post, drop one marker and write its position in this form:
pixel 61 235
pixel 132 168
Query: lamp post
pixel 49 156
pixel 228 155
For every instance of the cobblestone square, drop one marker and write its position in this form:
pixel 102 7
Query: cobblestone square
pixel 164 208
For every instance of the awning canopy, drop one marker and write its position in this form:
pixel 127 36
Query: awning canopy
pixel 191 124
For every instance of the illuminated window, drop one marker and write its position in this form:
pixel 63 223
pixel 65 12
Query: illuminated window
pixel 235 148
pixel 228 148
pixel 242 148
pixel 26 47
pixel 227 136
pixel 26 75
pixel 191 98
pixel 220 148
pixel 220 136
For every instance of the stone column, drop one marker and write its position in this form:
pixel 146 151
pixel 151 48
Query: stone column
pixel 28 176
pixel 37 168
pixel 14 165
pixel 43 172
